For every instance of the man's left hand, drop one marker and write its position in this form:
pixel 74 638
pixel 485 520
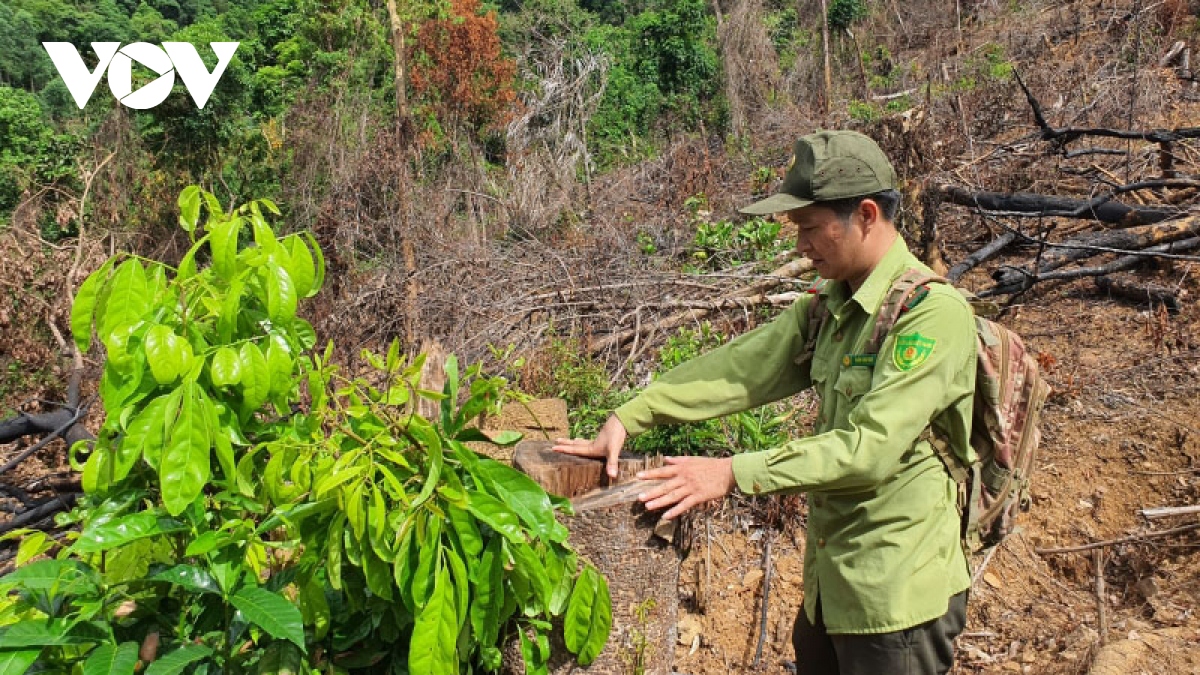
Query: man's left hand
pixel 686 482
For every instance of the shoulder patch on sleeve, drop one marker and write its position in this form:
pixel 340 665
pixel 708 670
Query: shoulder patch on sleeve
pixel 911 350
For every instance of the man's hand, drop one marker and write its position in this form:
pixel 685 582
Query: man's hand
pixel 607 444
pixel 688 481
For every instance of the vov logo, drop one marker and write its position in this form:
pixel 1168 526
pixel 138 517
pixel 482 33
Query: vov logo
pixel 167 60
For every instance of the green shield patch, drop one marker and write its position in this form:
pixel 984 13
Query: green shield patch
pixel 911 350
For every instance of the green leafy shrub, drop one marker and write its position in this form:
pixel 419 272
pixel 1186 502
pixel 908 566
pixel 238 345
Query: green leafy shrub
pixel 249 508
pixel 845 13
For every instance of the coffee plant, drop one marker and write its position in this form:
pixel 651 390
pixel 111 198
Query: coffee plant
pixel 249 508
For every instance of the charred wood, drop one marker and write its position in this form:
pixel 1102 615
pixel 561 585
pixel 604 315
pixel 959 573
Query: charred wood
pixel 1106 211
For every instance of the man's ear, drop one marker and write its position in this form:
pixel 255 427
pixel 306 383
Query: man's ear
pixel 870 213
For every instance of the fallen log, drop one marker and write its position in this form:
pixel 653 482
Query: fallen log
pixel 1121 263
pixel 1126 241
pixel 982 255
pixel 1106 211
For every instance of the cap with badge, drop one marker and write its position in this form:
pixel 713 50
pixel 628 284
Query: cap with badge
pixel 829 165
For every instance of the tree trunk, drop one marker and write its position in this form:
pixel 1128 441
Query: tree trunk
pixel 1062 207
pixel 826 100
pixel 398 56
pixel 615 533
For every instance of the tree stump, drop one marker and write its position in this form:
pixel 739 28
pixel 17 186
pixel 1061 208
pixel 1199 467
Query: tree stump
pixel 613 531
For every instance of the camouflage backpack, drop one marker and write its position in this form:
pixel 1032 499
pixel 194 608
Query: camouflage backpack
pixel 1009 395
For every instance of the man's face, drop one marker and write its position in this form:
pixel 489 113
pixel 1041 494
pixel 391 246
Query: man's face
pixel 832 244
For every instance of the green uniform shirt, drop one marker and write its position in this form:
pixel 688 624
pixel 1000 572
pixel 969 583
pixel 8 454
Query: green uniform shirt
pixel 883 550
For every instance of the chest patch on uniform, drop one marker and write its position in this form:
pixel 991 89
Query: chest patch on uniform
pixel 912 350
pixel 859 360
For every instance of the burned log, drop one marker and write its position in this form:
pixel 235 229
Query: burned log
pixel 1103 210
pixel 1130 241
pixel 612 530
pixel 1150 293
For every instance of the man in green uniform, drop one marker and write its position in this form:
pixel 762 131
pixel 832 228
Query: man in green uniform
pixel 885 575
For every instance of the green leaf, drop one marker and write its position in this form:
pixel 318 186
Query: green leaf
pixel 185 468
pixel 121 531
pixel 468 533
pixel 231 311
pixel 85 306
pixel 224 244
pixel 189 577
pixel 256 377
pixel 56 576
pixel 320 259
pixel 429 439
pixel 314 608
pixel 530 566
pixel 271 612
pixel 428 554
pixel 50 633
pixel 189 207
pixel 489 593
pixel 523 496
pixel 281 658
pixel 333 557
pixel 17 661
pixel 168 354
pixel 377 573
pixel 432 647
pixel 177 661
pixel 281 296
pixel 303 270
pixel 279 365
pixel 32 545
pixel 496 515
pixel 450 389
pixel 270 205
pixel 225 369
pixel 144 435
pixel 128 298
pixel 589 616
pixel 112 659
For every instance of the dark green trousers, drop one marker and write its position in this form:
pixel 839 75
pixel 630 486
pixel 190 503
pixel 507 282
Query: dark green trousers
pixel 927 649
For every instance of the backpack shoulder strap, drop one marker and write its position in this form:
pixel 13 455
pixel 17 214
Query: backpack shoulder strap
pixel 817 311
pixel 904 294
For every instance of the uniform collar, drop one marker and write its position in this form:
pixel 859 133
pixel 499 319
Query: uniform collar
pixel 870 295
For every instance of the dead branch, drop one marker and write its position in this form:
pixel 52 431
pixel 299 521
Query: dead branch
pixel 40 512
pixel 1154 294
pixel 1131 539
pixel 791 270
pixel 1121 263
pixel 737 302
pixel 1023 203
pixel 1168 511
pixel 1068 134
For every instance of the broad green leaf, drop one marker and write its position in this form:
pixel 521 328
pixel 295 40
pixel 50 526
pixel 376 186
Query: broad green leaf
pixel 184 468
pixel 333 557
pixel 428 560
pixel 189 208
pixel 377 573
pixel 523 496
pixel 560 567
pixel 428 438
pixel 187 265
pixel 281 295
pixel 157 433
pixel 270 205
pixel 279 365
pixel 177 661
pixel 231 311
pixel 460 581
pixel 225 369
pixel 110 659
pixel 303 270
pixel 128 298
pixel 314 608
pixel 85 306
pixel 207 542
pixel 530 566
pixel 168 354
pixel 468 533
pixel 489 593
pixel 271 612
pixel 356 512
pixel 190 577
pixel 56 576
pixel 144 436
pixel 281 658
pixel 589 616
pixel 32 545
pixel 451 395
pixel 264 236
pixel 304 333
pixel 123 530
pixel 224 243
pixel 256 377
pixel 320 260
pixel 17 661
pixel 496 515
pixel 51 633
pixel 99 469
pixel 432 646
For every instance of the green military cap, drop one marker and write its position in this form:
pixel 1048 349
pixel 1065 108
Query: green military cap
pixel 829 165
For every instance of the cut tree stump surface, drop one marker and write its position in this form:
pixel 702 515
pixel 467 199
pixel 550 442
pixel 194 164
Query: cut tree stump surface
pixel 541 419
pixel 613 531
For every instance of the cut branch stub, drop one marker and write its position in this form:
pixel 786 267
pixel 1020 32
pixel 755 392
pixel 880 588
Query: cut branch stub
pixel 614 532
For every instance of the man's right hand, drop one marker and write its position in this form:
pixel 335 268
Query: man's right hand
pixel 607 444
